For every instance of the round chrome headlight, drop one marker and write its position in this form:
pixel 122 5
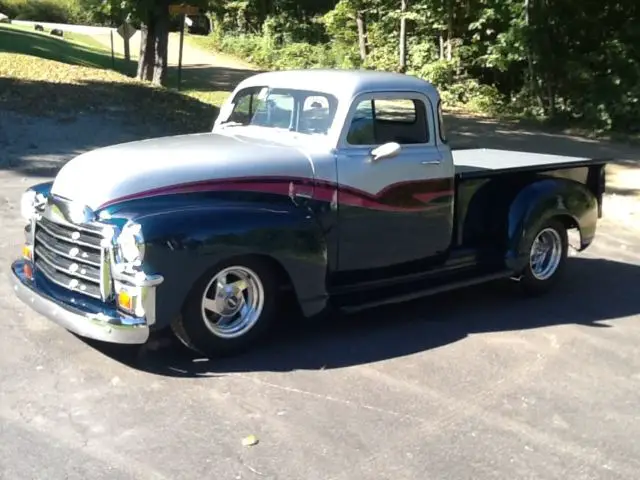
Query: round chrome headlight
pixel 131 243
pixel 28 204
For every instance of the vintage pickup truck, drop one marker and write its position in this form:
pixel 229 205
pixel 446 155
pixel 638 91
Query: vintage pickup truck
pixel 336 189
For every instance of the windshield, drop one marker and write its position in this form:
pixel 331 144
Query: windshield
pixel 301 111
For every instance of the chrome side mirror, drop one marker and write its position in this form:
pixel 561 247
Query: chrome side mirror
pixel 388 150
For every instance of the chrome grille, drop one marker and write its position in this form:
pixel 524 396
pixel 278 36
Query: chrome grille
pixel 69 255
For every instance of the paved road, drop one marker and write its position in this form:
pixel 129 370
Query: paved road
pixel 475 384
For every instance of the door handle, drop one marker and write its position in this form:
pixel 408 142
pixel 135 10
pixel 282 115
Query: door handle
pixel 430 162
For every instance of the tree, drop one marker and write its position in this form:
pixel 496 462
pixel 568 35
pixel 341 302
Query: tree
pixel 152 63
pixel 403 35
pixel 154 20
pixel 573 59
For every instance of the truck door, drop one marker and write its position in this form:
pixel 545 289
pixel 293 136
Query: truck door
pixel 396 210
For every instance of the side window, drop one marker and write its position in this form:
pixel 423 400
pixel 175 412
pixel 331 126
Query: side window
pixel 397 111
pixel 361 131
pixel 380 121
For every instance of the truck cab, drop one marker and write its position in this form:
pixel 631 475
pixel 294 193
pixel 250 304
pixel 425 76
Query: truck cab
pixel 335 189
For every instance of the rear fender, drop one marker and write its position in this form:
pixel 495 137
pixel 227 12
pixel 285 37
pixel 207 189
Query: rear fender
pixel 570 201
pixel 184 245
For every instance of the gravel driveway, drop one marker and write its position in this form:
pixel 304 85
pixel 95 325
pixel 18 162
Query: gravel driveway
pixel 473 384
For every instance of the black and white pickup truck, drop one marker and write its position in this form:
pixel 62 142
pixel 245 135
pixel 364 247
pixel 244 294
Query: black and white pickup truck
pixel 335 188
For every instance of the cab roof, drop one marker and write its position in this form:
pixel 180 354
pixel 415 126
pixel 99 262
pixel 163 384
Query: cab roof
pixel 341 83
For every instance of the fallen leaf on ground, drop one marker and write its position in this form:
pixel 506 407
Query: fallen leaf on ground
pixel 250 441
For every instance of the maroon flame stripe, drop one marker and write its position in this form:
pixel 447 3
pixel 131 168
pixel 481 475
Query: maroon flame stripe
pixel 402 197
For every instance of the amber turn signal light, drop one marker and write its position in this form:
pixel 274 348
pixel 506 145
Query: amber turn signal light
pixel 28 271
pixel 125 301
pixel 27 252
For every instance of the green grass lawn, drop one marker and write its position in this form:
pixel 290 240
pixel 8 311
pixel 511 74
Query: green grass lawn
pixel 73 49
pixel 84 50
pixel 43 75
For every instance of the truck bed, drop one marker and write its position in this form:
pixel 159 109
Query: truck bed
pixel 483 162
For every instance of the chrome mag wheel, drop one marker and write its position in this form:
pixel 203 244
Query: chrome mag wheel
pixel 546 254
pixel 232 302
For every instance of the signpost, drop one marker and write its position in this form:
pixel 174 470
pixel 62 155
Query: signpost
pixel 183 10
pixel 126 31
pixel 113 57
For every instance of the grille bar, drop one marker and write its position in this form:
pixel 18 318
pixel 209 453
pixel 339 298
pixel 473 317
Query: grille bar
pixel 66 249
pixel 69 267
pixel 70 235
pixel 67 281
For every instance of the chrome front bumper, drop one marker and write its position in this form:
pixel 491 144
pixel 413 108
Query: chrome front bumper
pixel 112 326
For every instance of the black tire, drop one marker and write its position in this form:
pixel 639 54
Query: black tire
pixel 532 284
pixel 191 327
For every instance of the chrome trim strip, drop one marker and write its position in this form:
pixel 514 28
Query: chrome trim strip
pixel 106 255
pixel 122 330
pixel 32 233
pixel 58 210
pixel 136 279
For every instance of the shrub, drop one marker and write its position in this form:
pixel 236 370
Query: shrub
pixel 53 11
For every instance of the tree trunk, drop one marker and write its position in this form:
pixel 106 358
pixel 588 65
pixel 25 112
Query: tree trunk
pixel 127 50
pixel 450 30
pixel 530 72
pixel 362 35
pixel 152 65
pixel 403 35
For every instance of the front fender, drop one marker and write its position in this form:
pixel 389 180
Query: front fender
pixel 183 245
pixel 538 202
pixel 43 188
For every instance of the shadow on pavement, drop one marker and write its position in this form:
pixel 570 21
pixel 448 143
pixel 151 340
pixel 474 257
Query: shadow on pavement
pixel 596 290
pixel 626 192
pixel 43 124
pixel 208 78
pixel 471 132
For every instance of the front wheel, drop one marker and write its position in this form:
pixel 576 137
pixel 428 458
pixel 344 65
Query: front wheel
pixel 230 309
pixel 547 258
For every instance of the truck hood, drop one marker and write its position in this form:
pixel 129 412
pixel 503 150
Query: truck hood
pixel 107 175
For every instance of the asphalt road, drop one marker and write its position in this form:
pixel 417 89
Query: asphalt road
pixel 475 384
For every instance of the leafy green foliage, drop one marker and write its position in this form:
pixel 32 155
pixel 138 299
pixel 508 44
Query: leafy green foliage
pixel 56 11
pixel 572 61
pixel 564 60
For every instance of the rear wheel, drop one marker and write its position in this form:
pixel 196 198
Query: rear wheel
pixel 230 309
pixel 547 257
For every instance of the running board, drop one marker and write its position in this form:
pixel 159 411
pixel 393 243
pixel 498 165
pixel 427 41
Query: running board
pixel 505 274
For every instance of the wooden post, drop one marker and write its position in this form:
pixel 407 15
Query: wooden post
pixel 127 53
pixel 183 19
pixel 113 58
